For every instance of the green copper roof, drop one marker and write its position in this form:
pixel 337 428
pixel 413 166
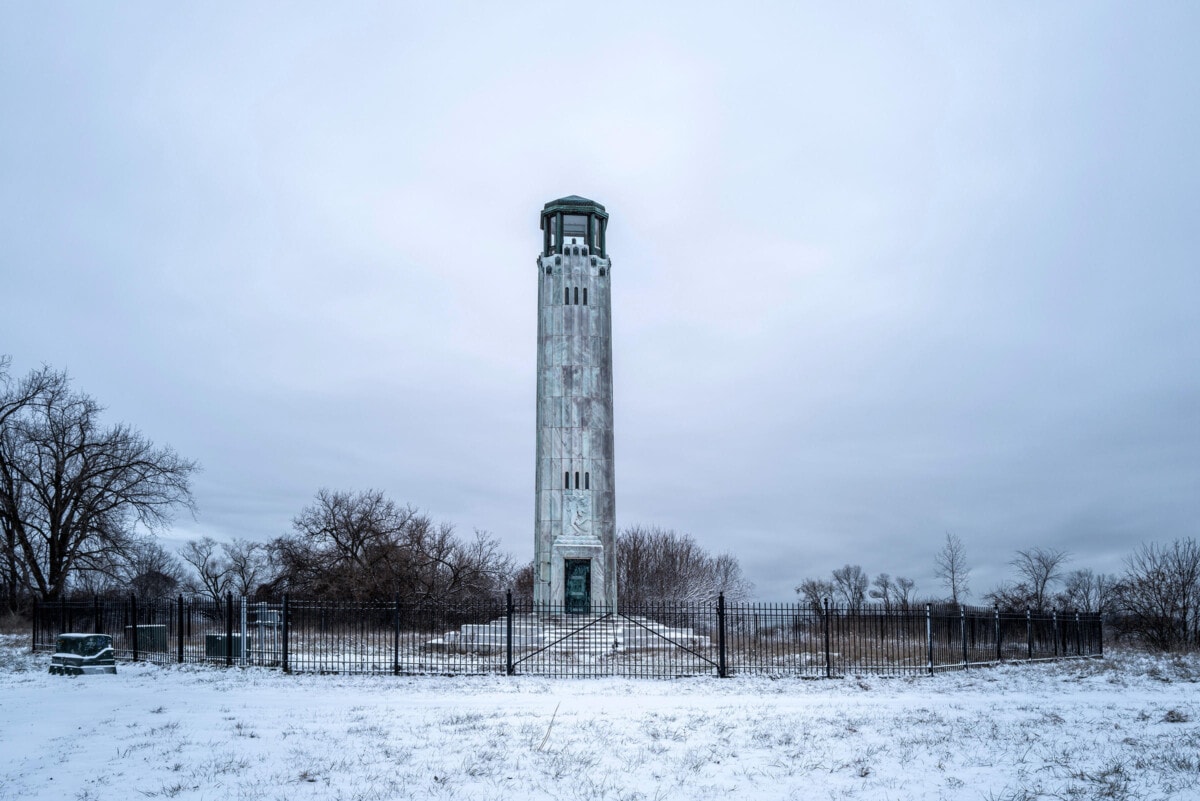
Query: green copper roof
pixel 574 204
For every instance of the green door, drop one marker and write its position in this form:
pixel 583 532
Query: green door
pixel 579 586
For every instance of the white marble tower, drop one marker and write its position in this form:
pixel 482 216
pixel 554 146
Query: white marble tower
pixel 574 520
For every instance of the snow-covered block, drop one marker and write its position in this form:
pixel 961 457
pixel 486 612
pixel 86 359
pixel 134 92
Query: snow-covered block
pixel 82 654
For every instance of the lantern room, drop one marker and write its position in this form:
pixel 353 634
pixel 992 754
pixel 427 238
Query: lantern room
pixel 574 221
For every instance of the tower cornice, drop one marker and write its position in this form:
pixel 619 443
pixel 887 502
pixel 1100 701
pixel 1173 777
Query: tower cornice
pixel 574 204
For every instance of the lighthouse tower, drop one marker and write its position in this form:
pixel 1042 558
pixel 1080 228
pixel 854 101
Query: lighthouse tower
pixel 574 530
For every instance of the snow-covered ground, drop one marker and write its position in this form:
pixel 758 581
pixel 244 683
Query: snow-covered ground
pixel 1124 727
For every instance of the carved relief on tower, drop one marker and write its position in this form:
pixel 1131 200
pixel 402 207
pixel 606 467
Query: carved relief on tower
pixel 577 513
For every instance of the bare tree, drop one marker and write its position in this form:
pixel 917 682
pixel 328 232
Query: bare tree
pixel 348 545
pixel 151 571
pixel 884 591
pixel 1040 569
pixel 950 565
pixel 73 493
pixel 210 565
pixel 477 569
pixel 144 567
pixel 15 397
pixel 850 585
pixel 904 593
pixel 1085 591
pixel 814 592
pixel 1158 597
pixel 362 545
pixel 728 577
pixel 1010 596
pixel 892 593
pixel 248 567
pixel 656 565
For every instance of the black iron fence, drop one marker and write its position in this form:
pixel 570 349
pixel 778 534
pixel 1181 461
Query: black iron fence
pixel 518 638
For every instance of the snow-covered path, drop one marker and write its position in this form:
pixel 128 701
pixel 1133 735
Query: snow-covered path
pixel 1127 727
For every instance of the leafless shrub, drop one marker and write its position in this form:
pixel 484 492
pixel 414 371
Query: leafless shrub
pixel 656 565
pixel 1158 597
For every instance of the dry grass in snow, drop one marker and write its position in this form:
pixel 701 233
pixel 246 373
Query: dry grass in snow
pixel 1125 727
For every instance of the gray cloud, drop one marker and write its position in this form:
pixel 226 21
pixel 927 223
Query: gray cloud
pixel 879 273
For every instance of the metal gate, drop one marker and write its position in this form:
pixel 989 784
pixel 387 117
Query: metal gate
pixel 637 642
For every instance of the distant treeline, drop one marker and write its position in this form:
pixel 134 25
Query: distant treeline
pixel 1155 602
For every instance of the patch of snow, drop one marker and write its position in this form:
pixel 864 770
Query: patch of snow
pixel 1122 727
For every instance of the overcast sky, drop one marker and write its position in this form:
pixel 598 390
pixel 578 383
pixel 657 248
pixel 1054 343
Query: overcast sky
pixel 880 271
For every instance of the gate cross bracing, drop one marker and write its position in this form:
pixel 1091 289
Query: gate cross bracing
pixel 611 644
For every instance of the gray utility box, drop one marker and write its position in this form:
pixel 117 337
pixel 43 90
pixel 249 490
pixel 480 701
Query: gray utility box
pixel 150 639
pixel 214 646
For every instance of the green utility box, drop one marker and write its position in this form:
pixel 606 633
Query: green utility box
pixel 150 639
pixel 214 646
pixel 82 655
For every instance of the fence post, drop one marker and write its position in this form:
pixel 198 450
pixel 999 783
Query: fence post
pixel 396 636
pixel 179 626
pixel 721 668
pixel 1078 636
pixel 999 653
pixel 929 635
pixel 97 620
pixel 36 619
pixel 962 633
pixel 509 667
pixel 244 658
pixel 133 624
pixel 828 658
pixel 287 623
pixel 229 629
pixel 1054 626
pixel 1100 626
pixel 1029 633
